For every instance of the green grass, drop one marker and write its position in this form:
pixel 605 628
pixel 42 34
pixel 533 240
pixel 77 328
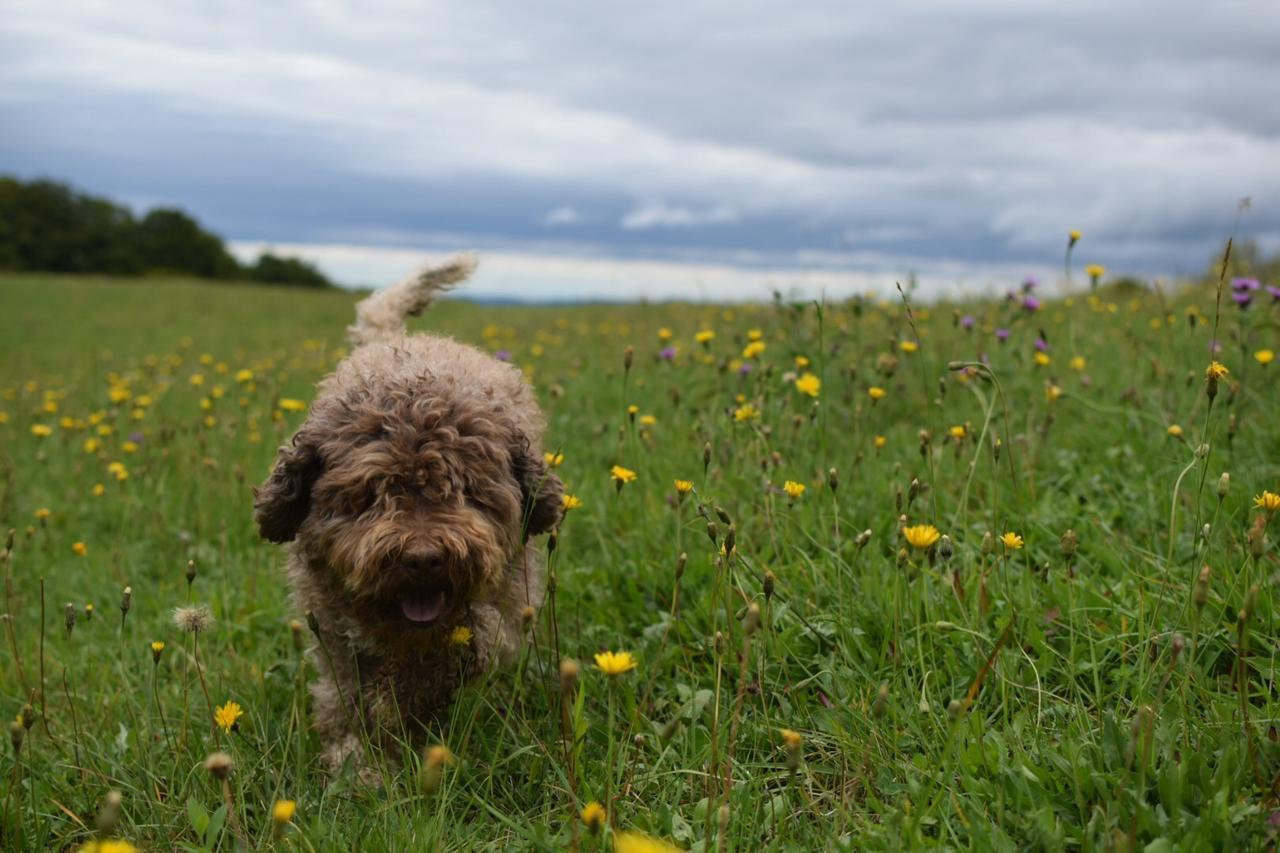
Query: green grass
pixel 992 699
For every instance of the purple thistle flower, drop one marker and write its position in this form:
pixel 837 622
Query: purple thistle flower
pixel 1002 335
pixel 1242 298
pixel 502 355
pixel 1241 285
pixel 1274 291
pixel 136 437
pixel 667 353
pixel 1030 303
pixel 1030 283
pixel 1042 345
pixel 745 368
pixel 967 320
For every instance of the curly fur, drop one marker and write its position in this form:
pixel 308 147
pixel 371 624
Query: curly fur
pixel 417 473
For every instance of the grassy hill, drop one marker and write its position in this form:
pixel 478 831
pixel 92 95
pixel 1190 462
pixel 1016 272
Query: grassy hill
pixel 1083 656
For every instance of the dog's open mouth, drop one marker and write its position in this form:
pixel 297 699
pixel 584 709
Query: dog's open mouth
pixel 424 607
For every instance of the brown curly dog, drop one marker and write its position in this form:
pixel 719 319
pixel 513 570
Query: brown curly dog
pixel 408 498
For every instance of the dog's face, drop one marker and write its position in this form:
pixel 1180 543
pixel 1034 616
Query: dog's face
pixel 411 507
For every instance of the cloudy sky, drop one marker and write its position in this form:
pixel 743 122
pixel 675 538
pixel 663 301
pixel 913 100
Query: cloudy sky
pixel 659 148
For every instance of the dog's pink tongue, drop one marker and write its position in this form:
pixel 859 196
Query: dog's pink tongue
pixel 423 607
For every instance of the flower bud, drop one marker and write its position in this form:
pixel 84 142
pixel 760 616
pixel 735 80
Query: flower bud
pixel 295 634
pixel 568 675
pixel 1224 485
pixel 1201 594
pixel 770 582
pixel 126 601
pixel 70 617
pixel 628 357
pixel 191 572
pixel 751 622
pixel 833 480
pixel 706 456
pixel 863 538
pixel 680 563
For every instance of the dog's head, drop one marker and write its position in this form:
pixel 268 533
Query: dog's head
pixel 410 506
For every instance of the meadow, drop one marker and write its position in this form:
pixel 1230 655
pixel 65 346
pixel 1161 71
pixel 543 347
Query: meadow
pixel 992 575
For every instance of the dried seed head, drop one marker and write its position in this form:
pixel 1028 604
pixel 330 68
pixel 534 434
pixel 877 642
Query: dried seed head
pixel 126 601
pixel 913 491
pixel 718 642
pixel 722 817
pixel 1224 485
pixel 193 619
pixel 568 675
pixel 219 765
pixel 1068 543
pixel 863 538
pixel 770 583
pixel 1176 645
pixel 944 548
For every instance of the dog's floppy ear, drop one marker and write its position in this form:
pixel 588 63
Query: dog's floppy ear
pixel 281 503
pixel 541 490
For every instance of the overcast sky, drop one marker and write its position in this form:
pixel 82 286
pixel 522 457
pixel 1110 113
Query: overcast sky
pixel 961 140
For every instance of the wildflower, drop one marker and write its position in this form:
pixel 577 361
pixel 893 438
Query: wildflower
pixel 460 636
pixel 921 536
pixel 753 349
pixel 1011 540
pixel 880 441
pixel 228 716
pixel 909 347
pixel 219 765
pixel 745 412
pixel 1268 502
pixel 1216 370
pixel 638 842
pixel 968 321
pixel 43 513
pixel 79 549
pixel 1073 237
pixel 614 664
pixel 621 476
pixel 683 487
pixel 553 460
pixel 647 420
pixel 1052 392
pixel 875 392
pixel 1174 430
pixel 91 445
pixel 244 375
pixel 793 489
pixel 664 334
pixel 289 404
pixel 667 353
pixel 569 501
pixel 792 742
pixel 1002 335
pixel 1042 359
pixel 1264 357
pixel 157 649
pixel 593 815
pixel 957 432
pixel 1030 304
pixel 41 430
pixel 809 384
pixel 283 811
pixel 99 490
pixel 107 845
pixel 1095 272
pixel 193 619
pixel 705 337
pixel 1077 363
pixel 802 362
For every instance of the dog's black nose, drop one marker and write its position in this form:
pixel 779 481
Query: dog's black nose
pixel 427 569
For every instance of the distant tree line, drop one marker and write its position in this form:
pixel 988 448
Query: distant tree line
pixel 47 226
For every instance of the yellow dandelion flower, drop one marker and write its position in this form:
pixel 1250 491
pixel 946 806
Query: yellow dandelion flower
pixel 99 490
pixel 790 738
pixel 880 441
pixel 244 375
pixel 460 636
pixel 43 513
pixel 958 432
pixel 875 392
pixel 1216 370
pixel 921 536
pixel 228 716
pixel 1042 359
pixel 754 334
pixel 1264 357
pixel 802 362
pixel 289 404
pixel 684 486
pixel 745 412
pixel 622 475
pixel 664 334
pixel 569 501
pixel 553 460
pixel 1267 501
pixel 1052 392
pixel 647 420
pixel 638 842
pixel 91 445
pixel 1011 540
pixel 704 337
pixel 108 845
pixel 1077 363
pixel 793 489
pixel 1073 236
pixel 157 649
pixel 283 811
pixel 593 815
pixel 753 349
pixel 909 346
pixel 1174 430
pixel 809 384
pixel 1095 271
pixel 614 664
pixel 41 430
pixel 79 549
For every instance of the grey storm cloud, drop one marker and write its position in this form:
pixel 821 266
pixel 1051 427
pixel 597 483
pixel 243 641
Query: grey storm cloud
pixel 982 130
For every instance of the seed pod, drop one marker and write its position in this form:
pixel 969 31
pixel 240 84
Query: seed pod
pixel 954 709
pixel 313 623
pixel 730 540
pixel 109 814
pixel 1201 594
pixel 28 715
pixel 988 542
pixel 913 491
pixel 552 542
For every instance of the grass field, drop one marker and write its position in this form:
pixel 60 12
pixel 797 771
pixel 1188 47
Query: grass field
pixel 1085 658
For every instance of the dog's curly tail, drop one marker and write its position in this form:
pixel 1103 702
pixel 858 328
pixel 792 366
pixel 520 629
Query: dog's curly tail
pixel 383 314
